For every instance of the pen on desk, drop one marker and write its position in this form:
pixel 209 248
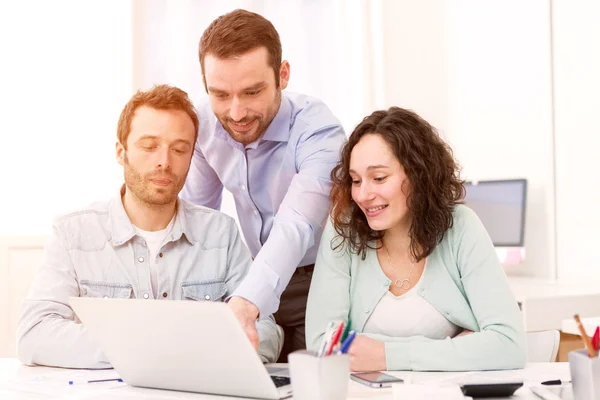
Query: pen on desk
pixel 554 382
pixel 335 338
pixel 586 339
pixel 346 345
pixel 97 381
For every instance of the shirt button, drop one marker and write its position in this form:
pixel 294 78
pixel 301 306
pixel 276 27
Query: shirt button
pixel 243 187
pixel 160 255
pixel 165 294
pixel 146 295
pixel 141 259
pixel 386 283
pixel 255 212
pixel 367 310
pixel 207 297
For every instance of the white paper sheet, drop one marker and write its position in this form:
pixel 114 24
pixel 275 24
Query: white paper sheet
pixel 55 384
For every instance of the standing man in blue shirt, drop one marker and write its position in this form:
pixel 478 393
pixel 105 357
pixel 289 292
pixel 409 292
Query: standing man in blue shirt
pixel 274 152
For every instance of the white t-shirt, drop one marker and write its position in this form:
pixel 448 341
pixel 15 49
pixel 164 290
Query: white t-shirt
pixel 154 241
pixel 409 315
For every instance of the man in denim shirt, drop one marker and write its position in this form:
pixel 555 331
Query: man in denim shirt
pixel 145 243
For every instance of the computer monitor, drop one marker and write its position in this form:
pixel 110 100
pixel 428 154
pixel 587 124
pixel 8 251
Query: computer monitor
pixel 501 205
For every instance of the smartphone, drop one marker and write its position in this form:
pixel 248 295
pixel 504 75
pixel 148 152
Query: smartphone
pixel 375 379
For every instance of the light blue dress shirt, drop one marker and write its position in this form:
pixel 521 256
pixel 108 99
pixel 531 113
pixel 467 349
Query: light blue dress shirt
pixel 280 184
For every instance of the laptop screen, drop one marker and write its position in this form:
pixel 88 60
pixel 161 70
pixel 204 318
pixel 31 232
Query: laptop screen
pixel 500 205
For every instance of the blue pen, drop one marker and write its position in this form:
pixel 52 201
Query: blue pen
pixel 347 343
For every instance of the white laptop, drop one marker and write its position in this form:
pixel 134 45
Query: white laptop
pixel 179 345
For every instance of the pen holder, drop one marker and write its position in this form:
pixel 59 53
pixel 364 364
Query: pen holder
pixel 585 375
pixel 319 378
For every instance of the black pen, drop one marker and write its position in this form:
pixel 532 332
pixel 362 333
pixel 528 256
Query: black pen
pixel 555 382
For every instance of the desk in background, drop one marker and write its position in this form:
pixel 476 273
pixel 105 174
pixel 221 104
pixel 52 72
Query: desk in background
pixel 24 383
pixel 546 304
pixel 589 324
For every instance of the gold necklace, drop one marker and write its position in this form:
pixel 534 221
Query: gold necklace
pixel 405 284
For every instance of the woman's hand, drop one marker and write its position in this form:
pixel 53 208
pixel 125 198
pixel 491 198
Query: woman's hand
pixel 367 354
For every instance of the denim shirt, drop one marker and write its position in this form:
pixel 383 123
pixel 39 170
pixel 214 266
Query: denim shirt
pixel 95 252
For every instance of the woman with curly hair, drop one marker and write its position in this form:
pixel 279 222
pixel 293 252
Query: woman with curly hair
pixel 411 268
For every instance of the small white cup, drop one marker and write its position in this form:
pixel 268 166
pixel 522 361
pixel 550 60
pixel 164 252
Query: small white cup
pixel 585 375
pixel 319 378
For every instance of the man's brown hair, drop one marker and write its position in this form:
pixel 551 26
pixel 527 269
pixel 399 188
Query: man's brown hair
pixel 160 97
pixel 238 32
pixel 433 174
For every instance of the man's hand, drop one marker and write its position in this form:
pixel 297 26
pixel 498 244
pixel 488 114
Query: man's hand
pixel 367 354
pixel 247 313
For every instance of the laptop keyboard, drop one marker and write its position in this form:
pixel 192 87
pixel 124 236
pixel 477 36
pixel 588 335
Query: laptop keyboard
pixel 280 381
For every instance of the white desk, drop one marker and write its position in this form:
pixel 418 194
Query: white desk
pixel 546 303
pixel 589 324
pixel 31 383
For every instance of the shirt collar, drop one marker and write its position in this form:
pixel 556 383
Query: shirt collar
pixel 123 230
pixel 277 131
pixel 279 128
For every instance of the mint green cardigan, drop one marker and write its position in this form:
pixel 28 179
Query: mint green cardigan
pixel 463 280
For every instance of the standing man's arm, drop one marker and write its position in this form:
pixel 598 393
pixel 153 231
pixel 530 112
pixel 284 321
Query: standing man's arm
pixel 298 222
pixel 202 186
pixel 265 335
pixel 47 333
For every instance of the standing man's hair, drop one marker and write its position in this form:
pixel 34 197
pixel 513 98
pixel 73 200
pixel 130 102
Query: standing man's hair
pixel 160 97
pixel 238 32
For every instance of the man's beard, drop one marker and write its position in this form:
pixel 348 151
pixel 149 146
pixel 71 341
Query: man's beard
pixel 243 138
pixel 263 124
pixel 140 186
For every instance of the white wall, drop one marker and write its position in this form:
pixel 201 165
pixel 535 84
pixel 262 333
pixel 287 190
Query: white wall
pixel 20 258
pixel 415 59
pixel 480 72
pixel 576 38
pixel 65 76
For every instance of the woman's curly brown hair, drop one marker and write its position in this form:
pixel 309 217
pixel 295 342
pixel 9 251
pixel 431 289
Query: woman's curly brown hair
pixel 434 176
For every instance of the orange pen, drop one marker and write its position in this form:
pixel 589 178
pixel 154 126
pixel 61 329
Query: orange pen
pixel 586 339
